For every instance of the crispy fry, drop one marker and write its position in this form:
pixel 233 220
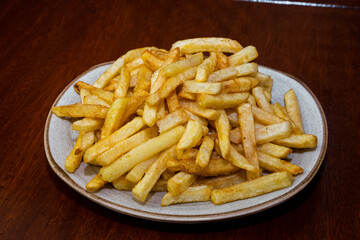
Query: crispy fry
pixel 275 150
pixel 274 164
pixel 113 116
pixel 95 184
pixel 141 153
pixel 191 137
pixel 172 120
pixel 110 73
pixel 73 160
pixel 222 101
pixel 195 108
pixel 293 108
pixel 261 100
pixel 87 124
pixel 80 110
pixel 180 182
pixel 223 74
pixel 222 60
pixel 205 68
pixel 187 95
pixel 246 69
pixel 222 181
pixel 273 132
pixel 106 95
pixel 265 117
pixel 151 61
pixel 172 102
pixel 136 100
pixel 192 194
pixel 203 156
pixel 175 68
pixel 256 187
pixel 123 83
pixel 122 184
pixel 223 130
pixel 202 87
pixel 139 170
pixel 95 100
pixel 298 141
pixel 245 55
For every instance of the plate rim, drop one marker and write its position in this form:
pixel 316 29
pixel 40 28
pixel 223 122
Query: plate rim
pixel 183 218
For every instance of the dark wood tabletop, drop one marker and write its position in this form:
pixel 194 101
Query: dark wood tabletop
pixel 44 45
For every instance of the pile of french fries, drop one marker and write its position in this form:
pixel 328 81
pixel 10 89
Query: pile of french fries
pixel 196 122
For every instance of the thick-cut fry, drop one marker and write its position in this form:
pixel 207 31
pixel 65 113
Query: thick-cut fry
pixel 261 100
pixel 134 64
pixel 73 160
pixel 223 74
pixel 87 124
pixel 187 95
pixel 222 101
pixel 175 68
pixel 223 130
pixel 246 69
pixel 136 53
pixel 124 185
pixel 235 135
pixel 298 141
pixel 192 194
pixel 95 100
pixel 246 122
pixel 189 153
pixel 203 156
pixel 256 187
pixel 197 118
pixel 87 141
pixel 144 186
pixel 195 108
pixel 126 145
pixel 172 102
pixel 106 95
pixel 110 73
pixel 172 57
pixel 170 85
pixel 180 182
pixel 141 153
pixel 95 184
pixel 251 100
pixel 136 100
pixel 273 132
pixel 123 83
pixel 274 164
pixel 113 116
pixel 202 87
pixel 172 120
pixel 151 61
pixel 245 55
pixel 212 44
pixel 275 150
pixel 293 108
pixel 143 79
pixel 191 137
pixel 80 110
pixel 205 68
pixel 241 84
pixel 265 117
pixel 139 170
pixel 83 93
pixel 216 167
pixel 106 143
pixel 222 60
pixel 222 181
pixel 232 116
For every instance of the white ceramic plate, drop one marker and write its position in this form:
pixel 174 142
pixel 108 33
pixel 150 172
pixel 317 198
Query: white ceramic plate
pixel 59 140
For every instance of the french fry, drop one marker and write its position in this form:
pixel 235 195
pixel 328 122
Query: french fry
pixel 180 182
pixel 216 167
pixel 106 95
pixel 203 156
pixel 110 73
pixel 144 186
pixel 187 95
pixel 256 187
pixel 245 55
pixel 274 164
pixel 150 112
pixel 223 74
pixel 113 116
pixel 251 100
pixel 197 118
pixel 246 69
pixel 143 79
pixel 195 108
pixel 80 110
pixel 141 153
pixel 207 45
pixel 124 185
pixel 235 135
pixel 135 174
pixel 73 160
pixel 246 122
pixel 123 146
pixel 205 68
pixel 136 100
pixel 222 126
pixel 202 87
pixel 172 120
pixel 151 61
pixel 281 112
pixel 106 143
pixel 172 57
pixel 87 141
pixel 95 184
pixel 221 101
pixel 265 117
pixel 83 93
pixel 172 102
pixel 222 60
pixel 222 181
pixel 191 137
pixel 136 53
pixel 192 194
pixel 273 132
pixel 232 116
pixel 95 100
pixel 123 83
pixel 175 68
pixel 134 64
pixel 275 150
pixel 261 100
pixel 293 108
pixel 298 141
pixel 241 84
pixel 87 124
pixel 170 85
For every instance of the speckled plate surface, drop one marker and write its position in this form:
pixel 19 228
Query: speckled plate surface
pixel 59 140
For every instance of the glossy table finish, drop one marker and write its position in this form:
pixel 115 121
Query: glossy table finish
pixel 45 45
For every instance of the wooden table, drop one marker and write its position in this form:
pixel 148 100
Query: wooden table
pixel 45 44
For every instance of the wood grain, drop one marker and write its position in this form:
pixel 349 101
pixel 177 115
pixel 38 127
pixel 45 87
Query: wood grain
pixel 46 44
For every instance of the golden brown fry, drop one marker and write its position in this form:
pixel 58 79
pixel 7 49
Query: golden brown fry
pixel 151 61
pixel 265 117
pixel 172 120
pixel 205 68
pixel 246 122
pixel 135 174
pixel 222 181
pixel 245 55
pixel 195 108
pixel 134 64
pixel 113 116
pixel 246 69
pixel 180 182
pixel 87 124
pixel 124 185
pixel 143 79
pixel 110 73
pixel 136 53
pixel 126 145
pixel 187 95
pixel 106 95
pixel 293 108
pixel 141 153
pixel 261 100
pixel 191 137
pixel 223 74
pixel 298 141
pixel 222 126
pixel 123 83
pixel 73 160
pixel 273 132
pixel 222 60
pixel 202 87
pixel 273 164
pixel 95 184
pixel 203 156
pixel 275 150
pixel 172 102
pixel 136 100
pixel 256 187
pixel 192 194
pixel 95 100
pixel 222 101
pixel 177 67
pixel 80 110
